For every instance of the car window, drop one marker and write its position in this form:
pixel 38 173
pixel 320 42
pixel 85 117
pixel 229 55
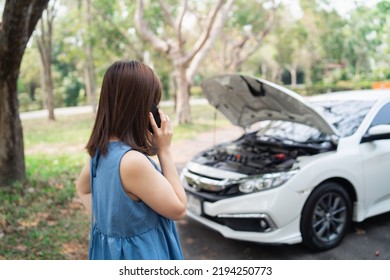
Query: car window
pixel 383 116
pixel 288 130
pixel 345 115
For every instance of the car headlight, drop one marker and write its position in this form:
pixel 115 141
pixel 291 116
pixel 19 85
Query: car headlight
pixel 265 182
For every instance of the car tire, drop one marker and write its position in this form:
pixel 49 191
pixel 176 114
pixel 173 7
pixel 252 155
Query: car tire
pixel 326 217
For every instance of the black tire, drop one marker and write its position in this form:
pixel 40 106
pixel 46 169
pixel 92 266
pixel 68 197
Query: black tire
pixel 326 217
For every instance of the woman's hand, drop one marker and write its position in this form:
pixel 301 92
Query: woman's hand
pixel 162 136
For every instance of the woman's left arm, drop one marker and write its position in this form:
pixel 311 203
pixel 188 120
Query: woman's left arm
pixel 83 187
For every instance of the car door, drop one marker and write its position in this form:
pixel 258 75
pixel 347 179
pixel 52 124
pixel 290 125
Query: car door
pixel 376 168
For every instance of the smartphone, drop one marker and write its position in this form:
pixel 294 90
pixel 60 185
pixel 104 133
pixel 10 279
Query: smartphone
pixel 156 116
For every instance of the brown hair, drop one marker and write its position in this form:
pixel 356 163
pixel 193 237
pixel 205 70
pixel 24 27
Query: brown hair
pixel 128 90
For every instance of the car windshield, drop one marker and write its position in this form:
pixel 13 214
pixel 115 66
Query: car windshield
pixel 345 115
pixel 288 131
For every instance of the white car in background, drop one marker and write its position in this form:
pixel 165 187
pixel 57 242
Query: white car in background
pixel 303 170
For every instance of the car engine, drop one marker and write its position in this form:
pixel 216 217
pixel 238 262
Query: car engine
pixel 252 154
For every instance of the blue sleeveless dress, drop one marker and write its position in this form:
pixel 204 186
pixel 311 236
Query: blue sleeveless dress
pixel 122 228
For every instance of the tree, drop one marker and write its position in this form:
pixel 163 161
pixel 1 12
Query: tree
pixel 363 38
pixel 113 21
pixel 89 68
pixel 18 23
pixel 355 41
pixel 183 54
pixel 44 40
pixel 245 32
pixel 296 41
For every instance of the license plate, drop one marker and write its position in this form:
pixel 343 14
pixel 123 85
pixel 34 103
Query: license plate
pixel 194 205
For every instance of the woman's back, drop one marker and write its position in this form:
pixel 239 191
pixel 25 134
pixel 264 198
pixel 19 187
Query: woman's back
pixel 123 228
pixel 124 132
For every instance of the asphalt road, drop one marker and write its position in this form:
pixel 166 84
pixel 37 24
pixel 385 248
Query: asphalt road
pixel 369 240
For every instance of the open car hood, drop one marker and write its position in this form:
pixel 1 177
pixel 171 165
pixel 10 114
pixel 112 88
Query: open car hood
pixel 245 100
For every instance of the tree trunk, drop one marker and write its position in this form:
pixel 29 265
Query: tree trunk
pixel 293 73
pixel 45 55
pixel 19 21
pixel 183 113
pixel 89 79
pixel 49 90
pixel 308 76
pixel 173 88
pixel 12 165
pixel 44 41
pixel 89 72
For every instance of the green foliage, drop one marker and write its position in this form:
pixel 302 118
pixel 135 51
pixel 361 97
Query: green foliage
pixel 26 104
pixel 73 86
pixel 248 12
pixel 311 43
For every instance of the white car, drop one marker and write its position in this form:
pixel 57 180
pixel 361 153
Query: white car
pixel 303 170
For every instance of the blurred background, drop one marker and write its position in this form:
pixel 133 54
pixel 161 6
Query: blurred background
pixel 310 46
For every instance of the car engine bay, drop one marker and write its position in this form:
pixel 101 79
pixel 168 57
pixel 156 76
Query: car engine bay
pixel 252 154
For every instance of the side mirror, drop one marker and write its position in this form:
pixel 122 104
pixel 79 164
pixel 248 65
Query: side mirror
pixel 378 132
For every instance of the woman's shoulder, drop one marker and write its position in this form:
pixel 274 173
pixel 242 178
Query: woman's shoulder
pixel 135 160
pixel 135 168
pixel 132 154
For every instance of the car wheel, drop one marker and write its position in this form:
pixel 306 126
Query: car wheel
pixel 326 217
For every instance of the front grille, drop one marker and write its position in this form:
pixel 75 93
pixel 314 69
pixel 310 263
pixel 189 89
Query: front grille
pixel 204 183
pixel 208 188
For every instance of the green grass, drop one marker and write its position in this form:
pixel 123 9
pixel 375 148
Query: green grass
pixel 65 130
pixel 41 217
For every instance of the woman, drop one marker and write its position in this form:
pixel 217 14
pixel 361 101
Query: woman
pixel 133 203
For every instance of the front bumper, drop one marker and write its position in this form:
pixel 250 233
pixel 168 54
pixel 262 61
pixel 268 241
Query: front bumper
pixel 270 216
pixel 286 235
